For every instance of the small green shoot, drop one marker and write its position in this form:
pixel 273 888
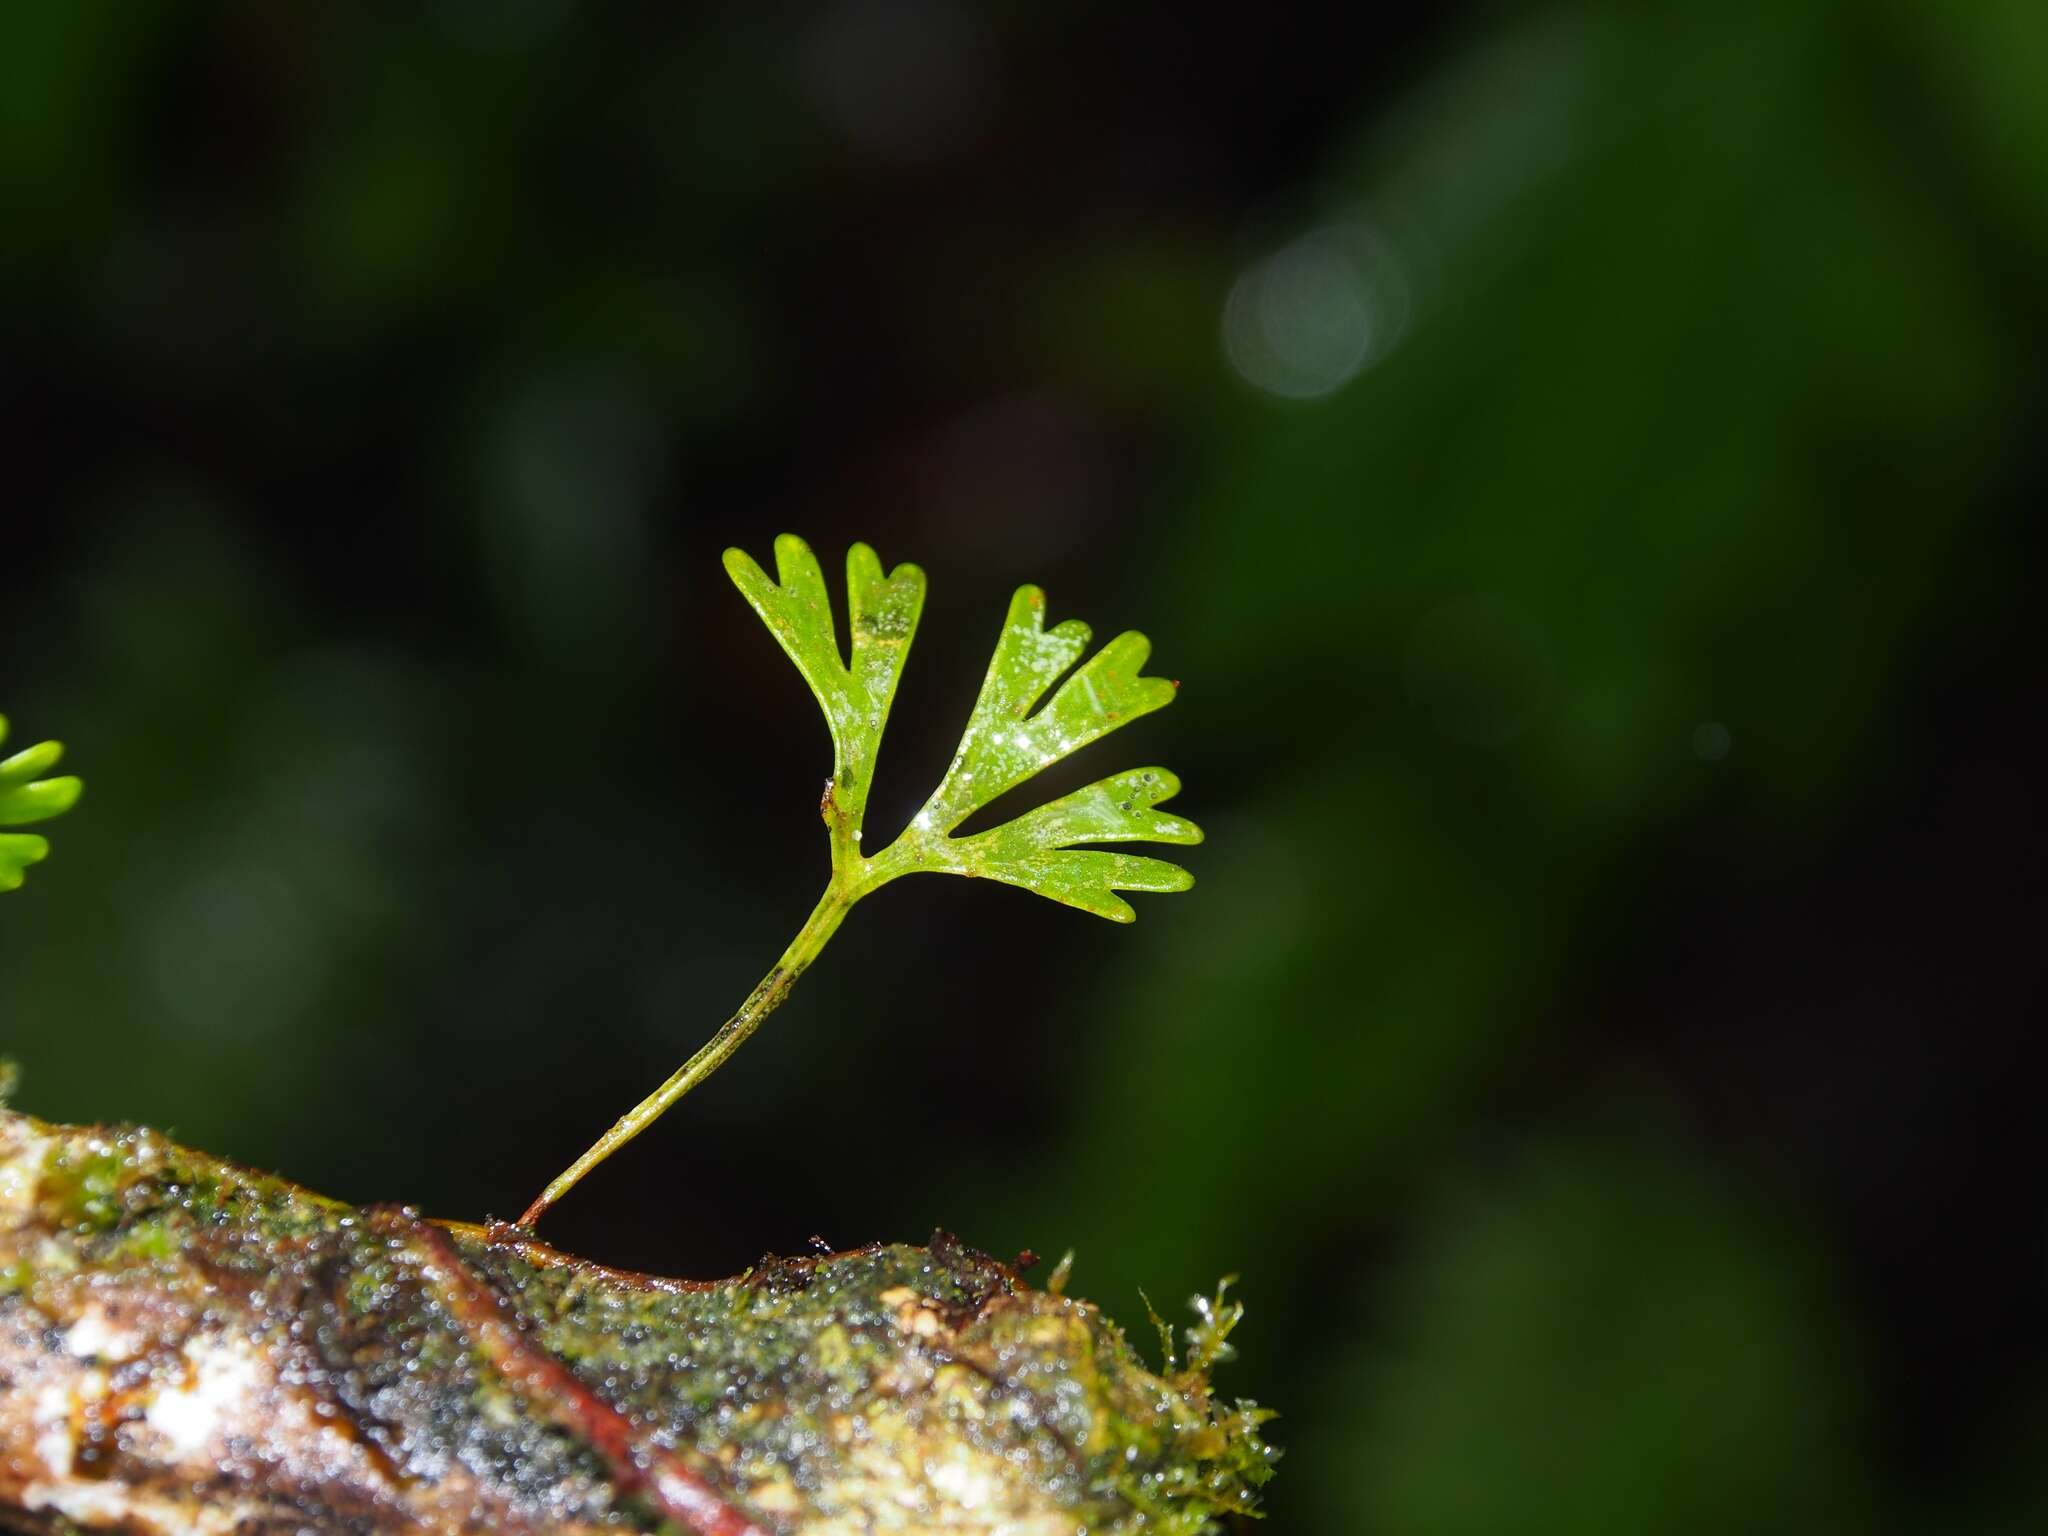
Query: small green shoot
pixel 1169 1362
pixel 26 798
pixel 1062 1272
pixel 1209 1340
pixel 1009 740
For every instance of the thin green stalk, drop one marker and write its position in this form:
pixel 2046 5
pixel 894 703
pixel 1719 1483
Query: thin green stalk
pixel 819 927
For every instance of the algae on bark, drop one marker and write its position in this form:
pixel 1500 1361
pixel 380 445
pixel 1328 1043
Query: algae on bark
pixel 190 1346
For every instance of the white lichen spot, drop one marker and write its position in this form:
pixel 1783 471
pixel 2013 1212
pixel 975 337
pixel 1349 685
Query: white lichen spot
pixel 95 1337
pixel 88 1504
pixel 54 1443
pixel 54 1258
pixel 1047 1524
pixel 102 1506
pixel 966 1480
pixel 225 1376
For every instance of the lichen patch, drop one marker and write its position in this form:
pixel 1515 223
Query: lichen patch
pixel 97 1336
pixel 225 1377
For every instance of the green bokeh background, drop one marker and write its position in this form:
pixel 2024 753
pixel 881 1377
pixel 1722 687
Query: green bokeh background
pixel 1583 461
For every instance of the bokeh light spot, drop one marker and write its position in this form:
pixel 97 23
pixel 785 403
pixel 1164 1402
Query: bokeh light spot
pixel 1304 321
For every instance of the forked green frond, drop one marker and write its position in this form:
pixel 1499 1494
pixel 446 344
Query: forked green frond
pixel 855 698
pixel 1009 740
pixel 1037 852
pixel 26 798
pixel 1006 743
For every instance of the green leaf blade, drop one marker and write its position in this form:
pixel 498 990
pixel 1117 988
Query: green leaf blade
pixel 798 613
pixel 1089 879
pixel 854 695
pixel 1005 743
pixel 27 803
pixel 1108 692
pixel 1037 852
pixel 997 752
pixel 883 611
pixel 17 852
pixel 1118 809
pixel 26 798
pixel 30 763
pixel 1010 739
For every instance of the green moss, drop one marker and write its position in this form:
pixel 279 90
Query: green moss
pixel 149 1241
pixel 84 1184
pixel 1026 1377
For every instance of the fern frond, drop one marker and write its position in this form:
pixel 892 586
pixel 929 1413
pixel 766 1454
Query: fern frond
pixel 1014 733
pixel 26 798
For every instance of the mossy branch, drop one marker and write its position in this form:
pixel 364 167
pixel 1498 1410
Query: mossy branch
pixel 186 1345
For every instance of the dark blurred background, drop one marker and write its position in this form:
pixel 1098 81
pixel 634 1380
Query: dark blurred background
pixel 1583 461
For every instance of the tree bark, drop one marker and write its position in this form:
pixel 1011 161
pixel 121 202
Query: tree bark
pixel 188 1346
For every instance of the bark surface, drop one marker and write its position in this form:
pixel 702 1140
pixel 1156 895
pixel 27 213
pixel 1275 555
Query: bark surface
pixel 188 1346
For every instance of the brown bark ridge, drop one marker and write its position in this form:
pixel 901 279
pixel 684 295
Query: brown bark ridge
pixel 187 1346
